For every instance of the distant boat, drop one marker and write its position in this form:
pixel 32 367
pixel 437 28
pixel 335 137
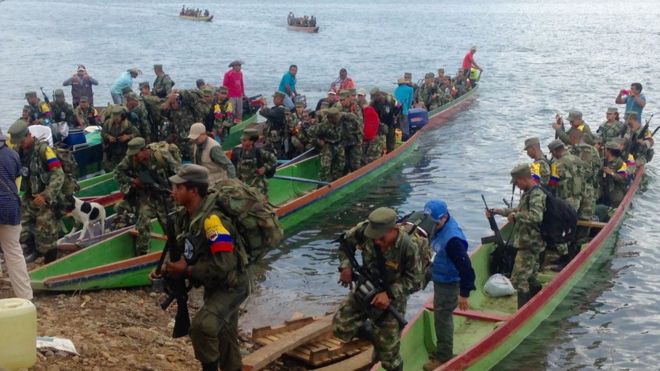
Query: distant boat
pixel 303 29
pixel 200 18
pixel 301 24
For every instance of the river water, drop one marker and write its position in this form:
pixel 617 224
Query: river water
pixel 539 57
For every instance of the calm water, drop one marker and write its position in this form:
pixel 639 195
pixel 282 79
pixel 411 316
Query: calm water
pixel 539 57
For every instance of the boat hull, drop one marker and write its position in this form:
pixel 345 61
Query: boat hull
pixel 198 19
pixel 303 29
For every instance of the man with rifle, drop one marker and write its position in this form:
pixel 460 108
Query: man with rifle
pixel 389 274
pixel 38 111
pixel 639 140
pixel 210 259
pixel 140 174
pixel 527 240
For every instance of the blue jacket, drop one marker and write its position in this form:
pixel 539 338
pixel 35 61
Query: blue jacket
pixel 444 270
pixel 125 80
pixel 404 95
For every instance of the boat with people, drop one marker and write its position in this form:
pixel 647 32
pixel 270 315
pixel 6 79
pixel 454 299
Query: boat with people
pixel 302 24
pixel 195 14
pixel 295 190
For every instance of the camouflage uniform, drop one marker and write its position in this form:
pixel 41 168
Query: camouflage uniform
pixel 152 105
pixel 403 266
pixel 425 95
pixel 641 151
pixel 247 163
pixel 353 127
pixel 139 118
pixel 180 121
pixel 540 169
pixel 592 163
pixel 113 153
pixel 278 120
pixel 144 201
pixel 223 117
pixel 566 177
pixel 85 117
pixel 62 112
pixel 332 158
pixel 613 187
pixel 527 238
pixel 610 131
pixel 564 136
pixel 162 85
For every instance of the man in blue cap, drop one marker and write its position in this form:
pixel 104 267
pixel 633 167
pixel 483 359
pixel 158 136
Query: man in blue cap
pixel 453 278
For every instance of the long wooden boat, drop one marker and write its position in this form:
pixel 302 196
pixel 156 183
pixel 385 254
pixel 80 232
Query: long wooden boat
pixel 201 18
pixel 303 29
pixel 111 263
pixel 234 137
pixel 494 327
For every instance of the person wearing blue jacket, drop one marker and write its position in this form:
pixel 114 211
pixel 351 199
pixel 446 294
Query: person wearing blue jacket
pixel 404 96
pixel 453 278
pixel 125 80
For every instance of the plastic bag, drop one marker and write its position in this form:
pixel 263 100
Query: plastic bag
pixel 498 285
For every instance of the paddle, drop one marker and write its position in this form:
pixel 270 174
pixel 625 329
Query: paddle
pixel 302 180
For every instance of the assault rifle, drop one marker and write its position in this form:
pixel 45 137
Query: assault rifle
pixel 175 288
pixel 46 99
pixel 632 145
pixel 368 286
pixel 501 259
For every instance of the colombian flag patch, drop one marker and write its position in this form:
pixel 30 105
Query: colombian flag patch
pixel 554 175
pixel 219 238
pixel 51 159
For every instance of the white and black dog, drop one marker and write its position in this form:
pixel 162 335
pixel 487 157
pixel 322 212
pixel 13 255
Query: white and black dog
pixel 88 213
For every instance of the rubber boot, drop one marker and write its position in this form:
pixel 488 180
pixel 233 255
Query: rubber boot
pixel 50 256
pixel 561 263
pixel 534 289
pixel 523 297
pixel 213 366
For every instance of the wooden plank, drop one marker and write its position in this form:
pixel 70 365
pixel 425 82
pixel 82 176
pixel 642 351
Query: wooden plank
pixel 590 224
pixel 267 354
pixel 474 314
pixel 288 326
pixel 357 362
pixel 324 355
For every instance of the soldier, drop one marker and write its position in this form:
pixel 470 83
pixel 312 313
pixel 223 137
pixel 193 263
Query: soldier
pixel 253 165
pixel 277 138
pixel 85 114
pixel 296 124
pixel 612 128
pixel 427 93
pixel 527 240
pixel 613 176
pixel 145 90
pixel 180 117
pixel 116 133
pixel 42 183
pixel 137 115
pixel 142 177
pixel 387 110
pixel 39 111
pixel 211 259
pixel 223 113
pixel 208 153
pixel 61 110
pixel 641 146
pixel 329 138
pixel 352 124
pixel 575 118
pixel 163 83
pixel 589 156
pixel 390 254
pixel 540 168
pixel 567 181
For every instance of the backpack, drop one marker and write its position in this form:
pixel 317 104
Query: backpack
pixel 238 152
pixel 165 153
pixel 419 226
pixel 254 217
pixel 194 100
pixel 559 223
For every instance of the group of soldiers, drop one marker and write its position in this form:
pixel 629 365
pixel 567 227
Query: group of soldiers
pixel 436 90
pixel 194 12
pixel 305 21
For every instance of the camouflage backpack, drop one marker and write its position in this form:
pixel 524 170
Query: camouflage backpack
pixel 165 153
pixel 258 227
pixel 419 226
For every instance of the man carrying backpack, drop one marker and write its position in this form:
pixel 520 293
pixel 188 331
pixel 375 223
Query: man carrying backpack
pixel 526 218
pixel 253 165
pixel 453 278
pixel 212 259
pixel 389 254
pixel 42 183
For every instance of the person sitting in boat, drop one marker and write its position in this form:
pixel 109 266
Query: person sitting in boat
pixel 342 82
pixel 183 10
pixel 453 278
pixel 85 114
pixel 389 253
pixel 613 176
pixel 527 239
pixel 427 94
pixel 206 13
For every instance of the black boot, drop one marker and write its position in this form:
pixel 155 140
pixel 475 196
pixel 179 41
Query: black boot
pixel 398 368
pixel 523 297
pixel 366 331
pixel 50 256
pixel 213 366
pixel 534 289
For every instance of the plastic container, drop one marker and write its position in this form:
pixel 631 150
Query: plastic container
pixel 475 74
pixel 398 134
pixel 76 136
pixel 18 329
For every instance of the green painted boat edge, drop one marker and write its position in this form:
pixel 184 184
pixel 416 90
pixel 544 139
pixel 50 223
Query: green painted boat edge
pixel 234 137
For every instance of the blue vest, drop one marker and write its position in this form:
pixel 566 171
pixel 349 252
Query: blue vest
pixel 443 269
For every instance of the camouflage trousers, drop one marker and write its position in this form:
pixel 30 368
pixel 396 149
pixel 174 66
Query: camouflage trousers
pixel 525 269
pixel 372 150
pixel 144 211
pixel 351 315
pixel 353 155
pixel 332 161
pixel 40 226
pixel 587 205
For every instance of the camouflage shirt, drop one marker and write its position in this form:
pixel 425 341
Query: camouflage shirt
pixel 566 177
pixel 247 163
pixel 139 118
pixel 62 112
pixel 159 170
pixel 540 169
pixel 111 129
pixel 86 117
pixel 614 186
pixel 609 131
pixel 44 172
pixel 528 218
pixel 588 137
pixel 162 85
pixel 592 163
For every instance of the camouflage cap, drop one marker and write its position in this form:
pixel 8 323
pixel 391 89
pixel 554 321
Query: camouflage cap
pixel 632 114
pixel 83 99
pixel 222 89
pixel 207 91
pixel 30 94
pixel 278 94
pixel 26 107
pixel 520 171
pixel 381 221
pixel 18 131
pixel 557 143
pixel 612 110
pixel 429 75
pixel 574 115
pixel 135 145
pixel 374 91
pixel 58 93
pixel 251 134
pixel 344 94
pixel 300 104
pixel 191 173
pixel 115 109
pixel 144 84
pixel 131 96
pixel 612 145
pixel 531 142
pixel 619 141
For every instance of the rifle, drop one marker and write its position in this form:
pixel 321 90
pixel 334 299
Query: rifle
pixel 175 288
pixel 493 225
pixel 501 259
pixel 368 286
pixel 631 146
pixel 45 96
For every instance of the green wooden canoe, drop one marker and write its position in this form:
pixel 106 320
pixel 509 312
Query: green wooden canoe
pixel 115 265
pixel 234 137
pixel 494 327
